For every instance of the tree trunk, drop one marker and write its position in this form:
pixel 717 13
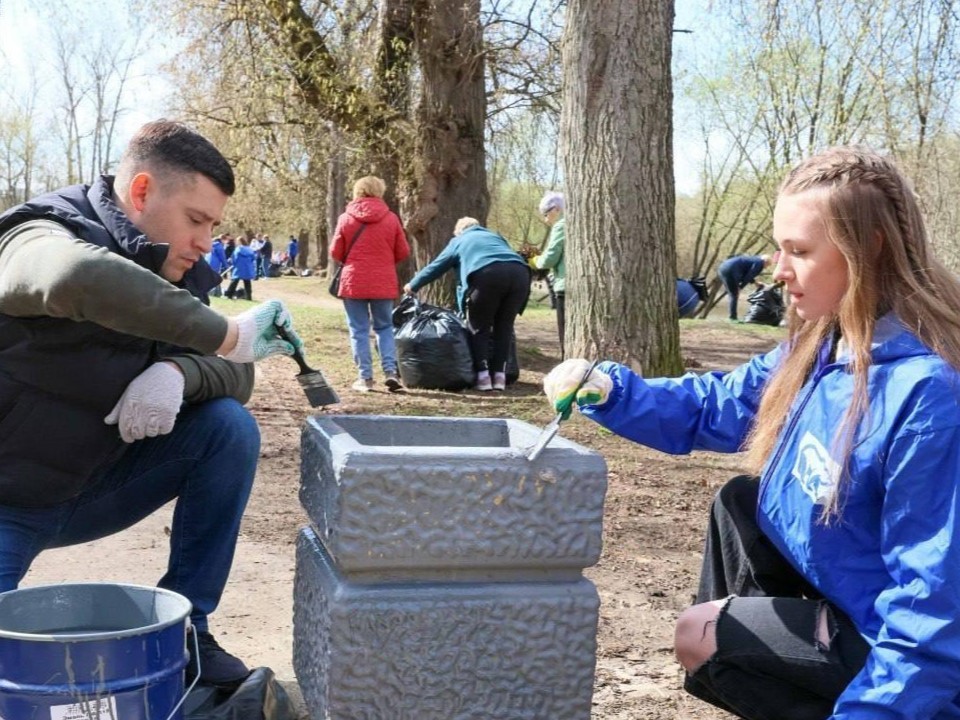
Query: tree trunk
pixel 336 196
pixel 448 178
pixel 616 149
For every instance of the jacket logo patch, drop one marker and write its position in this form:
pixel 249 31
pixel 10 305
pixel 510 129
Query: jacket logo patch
pixel 815 470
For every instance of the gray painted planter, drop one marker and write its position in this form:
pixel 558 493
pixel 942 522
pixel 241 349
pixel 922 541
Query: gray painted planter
pixel 442 577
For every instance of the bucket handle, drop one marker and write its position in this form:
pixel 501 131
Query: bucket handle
pixel 196 649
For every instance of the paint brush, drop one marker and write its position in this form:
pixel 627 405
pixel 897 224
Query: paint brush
pixel 550 431
pixel 314 384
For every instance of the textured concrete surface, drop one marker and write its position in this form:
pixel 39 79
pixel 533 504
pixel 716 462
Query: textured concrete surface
pixel 443 651
pixel 442 578
pixel 450 497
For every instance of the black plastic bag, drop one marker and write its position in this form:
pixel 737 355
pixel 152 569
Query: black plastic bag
pixel 259 697
pixel 433 350
pixel 766 306
pixel 406 309
pixel 688 296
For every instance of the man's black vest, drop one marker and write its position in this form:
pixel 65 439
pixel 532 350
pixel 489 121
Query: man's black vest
pixel 60 378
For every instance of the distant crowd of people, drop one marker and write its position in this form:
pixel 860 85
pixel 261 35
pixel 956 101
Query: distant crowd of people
pixel 246 258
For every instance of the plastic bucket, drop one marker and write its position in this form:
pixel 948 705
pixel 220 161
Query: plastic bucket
pixel 92 651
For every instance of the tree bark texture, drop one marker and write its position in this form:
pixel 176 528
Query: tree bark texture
pixel 448 178
pixel 616 150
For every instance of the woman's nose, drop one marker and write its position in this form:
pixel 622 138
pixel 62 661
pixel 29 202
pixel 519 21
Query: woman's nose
pixel 781 270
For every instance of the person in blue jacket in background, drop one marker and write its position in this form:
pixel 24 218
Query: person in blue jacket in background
pixel 494 288
pixel 830 585
pixel 737 272
pixel 217 259
pixel 244 261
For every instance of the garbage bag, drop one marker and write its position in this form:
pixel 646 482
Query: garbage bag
pixel 766 306
pixel 433 350
pixel 259 697
pixel 406 309
pixel 688 298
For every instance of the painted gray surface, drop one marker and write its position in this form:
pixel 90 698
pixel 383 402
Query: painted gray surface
pixel 450 498
pixel 443 576
pixel 441 651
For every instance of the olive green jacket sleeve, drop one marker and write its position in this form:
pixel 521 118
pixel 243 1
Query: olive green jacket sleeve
pixel 206 377
pixel 45 270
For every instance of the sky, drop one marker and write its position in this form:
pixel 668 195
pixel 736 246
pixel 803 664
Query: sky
pixel 21 23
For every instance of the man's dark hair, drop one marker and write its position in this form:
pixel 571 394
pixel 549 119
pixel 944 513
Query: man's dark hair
pixel 170 147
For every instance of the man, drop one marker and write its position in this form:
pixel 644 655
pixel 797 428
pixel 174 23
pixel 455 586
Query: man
pixel 551 210
pixel 106 413
pixel 266 255
pixel 736 272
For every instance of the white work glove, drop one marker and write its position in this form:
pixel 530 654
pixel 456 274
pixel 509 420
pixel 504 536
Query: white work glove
pixel 149 405
pixel 258 336
pixel 560 386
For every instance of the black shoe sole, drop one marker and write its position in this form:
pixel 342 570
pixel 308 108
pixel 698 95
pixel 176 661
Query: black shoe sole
pixel 393 384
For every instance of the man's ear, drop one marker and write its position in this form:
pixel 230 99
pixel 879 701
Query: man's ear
pixel 141 184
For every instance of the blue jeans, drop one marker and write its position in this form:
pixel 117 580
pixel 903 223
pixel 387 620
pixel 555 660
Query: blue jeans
pixel 359 314
pixel 207 463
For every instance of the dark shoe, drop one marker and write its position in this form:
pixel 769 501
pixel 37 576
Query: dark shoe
pixel 392 381
pixel 217 666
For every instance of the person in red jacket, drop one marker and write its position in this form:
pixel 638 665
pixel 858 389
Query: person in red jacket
pixel 369 242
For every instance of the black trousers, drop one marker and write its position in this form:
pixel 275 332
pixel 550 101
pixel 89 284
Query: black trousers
pixel 496 294
pixel 232 289
pixel 561 320
pixel 769 663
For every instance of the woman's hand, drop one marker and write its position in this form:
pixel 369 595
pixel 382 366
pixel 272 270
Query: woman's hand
pixel 408 290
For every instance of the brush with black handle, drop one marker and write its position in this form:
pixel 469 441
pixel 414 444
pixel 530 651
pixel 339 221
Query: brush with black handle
pixel 314 384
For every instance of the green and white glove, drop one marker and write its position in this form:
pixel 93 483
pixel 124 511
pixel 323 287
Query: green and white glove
pixel 560 386
pixel 259 336
pixel 149 405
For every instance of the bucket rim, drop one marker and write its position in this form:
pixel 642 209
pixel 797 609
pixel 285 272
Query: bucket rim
pixel 181 614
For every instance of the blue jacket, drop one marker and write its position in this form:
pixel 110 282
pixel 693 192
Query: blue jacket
pixel 474 248
pixel 244 263
pixel 741 269
pixel 892 561
pixel 217 257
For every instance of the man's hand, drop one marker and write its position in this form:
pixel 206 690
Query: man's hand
pixel 560 384
pixel 407 289
pixel 258 334
pixel 149 405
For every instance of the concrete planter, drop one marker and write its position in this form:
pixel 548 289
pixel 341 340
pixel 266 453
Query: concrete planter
pixel 442 578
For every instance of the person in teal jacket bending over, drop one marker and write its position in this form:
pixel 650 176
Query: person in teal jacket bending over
pixel 831 583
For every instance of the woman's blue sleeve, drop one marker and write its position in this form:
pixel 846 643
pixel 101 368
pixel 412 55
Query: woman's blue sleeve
pixel 713 411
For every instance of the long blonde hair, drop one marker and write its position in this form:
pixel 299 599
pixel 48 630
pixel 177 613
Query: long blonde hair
pixel 872 216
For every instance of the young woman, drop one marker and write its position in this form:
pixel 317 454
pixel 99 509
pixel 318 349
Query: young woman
pixel 831 583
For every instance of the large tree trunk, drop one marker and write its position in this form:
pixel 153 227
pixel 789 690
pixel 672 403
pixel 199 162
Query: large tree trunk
pixel 616 148
pixel 448 178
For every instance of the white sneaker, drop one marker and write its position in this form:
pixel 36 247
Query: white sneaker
pixel 363 386
pixel 499 381
pixel 483 382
